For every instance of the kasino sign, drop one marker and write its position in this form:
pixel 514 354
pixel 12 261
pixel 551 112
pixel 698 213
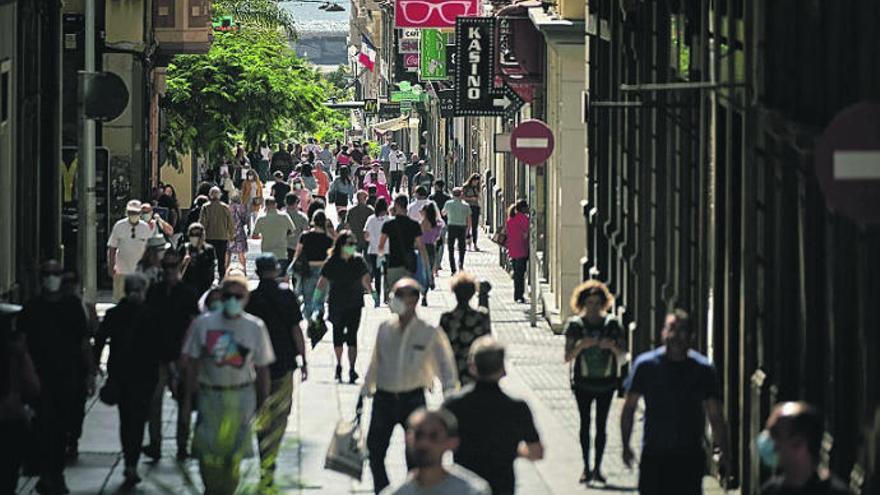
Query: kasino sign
pixel 474 79
pixel 432 13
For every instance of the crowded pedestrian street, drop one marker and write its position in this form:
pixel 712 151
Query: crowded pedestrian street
pixel 439 247
pixel 536 374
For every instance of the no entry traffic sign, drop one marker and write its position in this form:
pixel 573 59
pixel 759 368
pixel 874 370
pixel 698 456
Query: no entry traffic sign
pixel 848 163
pixel 532 142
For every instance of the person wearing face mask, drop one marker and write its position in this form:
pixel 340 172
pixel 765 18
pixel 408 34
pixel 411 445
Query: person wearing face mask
pixel 57 334
pixel 226 356
pixel 792 444
pixel 219 227
pixel 349 278
pixel 197 260
pixel 150 265
pixel 680 388
pixel 133 368
pixel 158 226
pixel 251 188
pixel 408 353
pixel 304 195
pixel 172 305
pixel 125 246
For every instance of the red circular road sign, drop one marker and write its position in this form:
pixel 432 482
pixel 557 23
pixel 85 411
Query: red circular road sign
pixel 848 163
pixel 532 141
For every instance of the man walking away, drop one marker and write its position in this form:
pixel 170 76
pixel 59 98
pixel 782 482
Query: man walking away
pixel 357 220
pixel 494 428
pixel 464 324
pixel 458 213
pixel 792 443
pixel 219 227
pixel 429 436
pixel 278 307
pixel 680 389
pixel 300 223
pixel 408 354
pixel 403 236
pixel 227 357
pixel 274 228
pixel 125 246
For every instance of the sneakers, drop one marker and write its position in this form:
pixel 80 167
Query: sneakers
pixel 352 376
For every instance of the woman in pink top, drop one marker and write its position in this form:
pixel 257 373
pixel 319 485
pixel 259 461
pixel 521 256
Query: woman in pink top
pixel 518 246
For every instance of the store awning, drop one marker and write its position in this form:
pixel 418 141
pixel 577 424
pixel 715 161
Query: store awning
pixel 394 124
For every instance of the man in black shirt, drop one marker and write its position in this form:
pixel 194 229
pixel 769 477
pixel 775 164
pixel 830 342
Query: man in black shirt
pixel 280 187
pixel 56 330
pixel 403 236
pixel 278 307
pixel 792 442
pixel 494 428
pixel 171 307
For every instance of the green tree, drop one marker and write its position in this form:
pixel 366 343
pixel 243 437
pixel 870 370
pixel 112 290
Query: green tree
pixel 249 84
pixel 264 14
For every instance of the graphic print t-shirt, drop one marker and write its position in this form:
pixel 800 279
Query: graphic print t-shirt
pixel 228 349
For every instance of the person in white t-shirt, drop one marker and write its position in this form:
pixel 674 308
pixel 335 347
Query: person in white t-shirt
pixel 372 232
pixel 126 246
pixel 429 435
pixel 396 163
pixel 226 356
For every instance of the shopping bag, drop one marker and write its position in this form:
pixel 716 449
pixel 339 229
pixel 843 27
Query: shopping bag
pixel 317 329
pixel 500 238
pixel 346 453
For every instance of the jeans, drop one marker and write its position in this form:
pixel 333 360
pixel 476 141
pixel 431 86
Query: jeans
pixel 307 286
pixel 277 407
pixel 603 405
pixel 376 273
pixel 475 223
pixel 519 277
pixel 431 250
pixel 679 473
pixel 457 233
pixel 389 410
pixel 220 249
pixel 396 176
pixel 134 410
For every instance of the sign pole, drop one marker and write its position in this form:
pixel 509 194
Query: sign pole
pixel 87 256
pixel 533 246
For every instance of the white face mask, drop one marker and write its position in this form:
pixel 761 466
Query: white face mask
pixel 134 218
pixel 52 283
pixel 397 306
pixel 195 240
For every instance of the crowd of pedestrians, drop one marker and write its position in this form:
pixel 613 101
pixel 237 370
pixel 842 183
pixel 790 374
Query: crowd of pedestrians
pixel 186 322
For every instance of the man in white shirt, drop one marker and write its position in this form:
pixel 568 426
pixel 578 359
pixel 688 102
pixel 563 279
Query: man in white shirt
pixel 396 162
pixel 126 245
pixel 414 210
pixel 407 356
pixel 430 435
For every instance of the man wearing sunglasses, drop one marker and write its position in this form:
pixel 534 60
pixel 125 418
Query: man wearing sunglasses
pixel 226 356
pixel 126 246
pixel 408 354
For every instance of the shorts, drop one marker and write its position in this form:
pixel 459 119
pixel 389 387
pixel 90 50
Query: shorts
pixel 345 326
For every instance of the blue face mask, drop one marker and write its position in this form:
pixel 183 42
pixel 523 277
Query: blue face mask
pixel 233 306
pixel 215 306
pixel 767 449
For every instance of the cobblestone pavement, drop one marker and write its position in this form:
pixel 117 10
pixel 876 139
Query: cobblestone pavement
pixel 536 373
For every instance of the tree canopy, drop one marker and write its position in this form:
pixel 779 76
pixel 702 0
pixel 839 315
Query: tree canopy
pixel 251 86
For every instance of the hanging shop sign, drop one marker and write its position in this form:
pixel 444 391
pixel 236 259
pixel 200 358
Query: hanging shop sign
pixel 475 50
pixel 432 55
pixel 408 45
pixel 371 106
pixel 520 50
pixel 432 13
pixel 446 102
pixel 411 62
pixel 388 110
pixel 475 91
pixel 451 57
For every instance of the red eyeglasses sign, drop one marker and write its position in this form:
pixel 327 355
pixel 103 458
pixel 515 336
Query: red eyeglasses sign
pixel 432 13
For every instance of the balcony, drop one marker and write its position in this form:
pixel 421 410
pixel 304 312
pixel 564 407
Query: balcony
pixel 182 26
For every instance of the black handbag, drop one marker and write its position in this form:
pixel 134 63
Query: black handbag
pixel 109 393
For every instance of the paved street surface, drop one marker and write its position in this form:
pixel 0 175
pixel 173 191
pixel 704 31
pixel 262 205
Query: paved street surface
pixel 536 373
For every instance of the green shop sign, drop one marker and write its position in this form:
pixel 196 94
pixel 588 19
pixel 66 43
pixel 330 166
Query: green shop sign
pixel 432 55
pixel 409 93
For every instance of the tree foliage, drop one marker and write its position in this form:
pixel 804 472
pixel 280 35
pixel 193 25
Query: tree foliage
pixel 249 86
pixel 261 14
